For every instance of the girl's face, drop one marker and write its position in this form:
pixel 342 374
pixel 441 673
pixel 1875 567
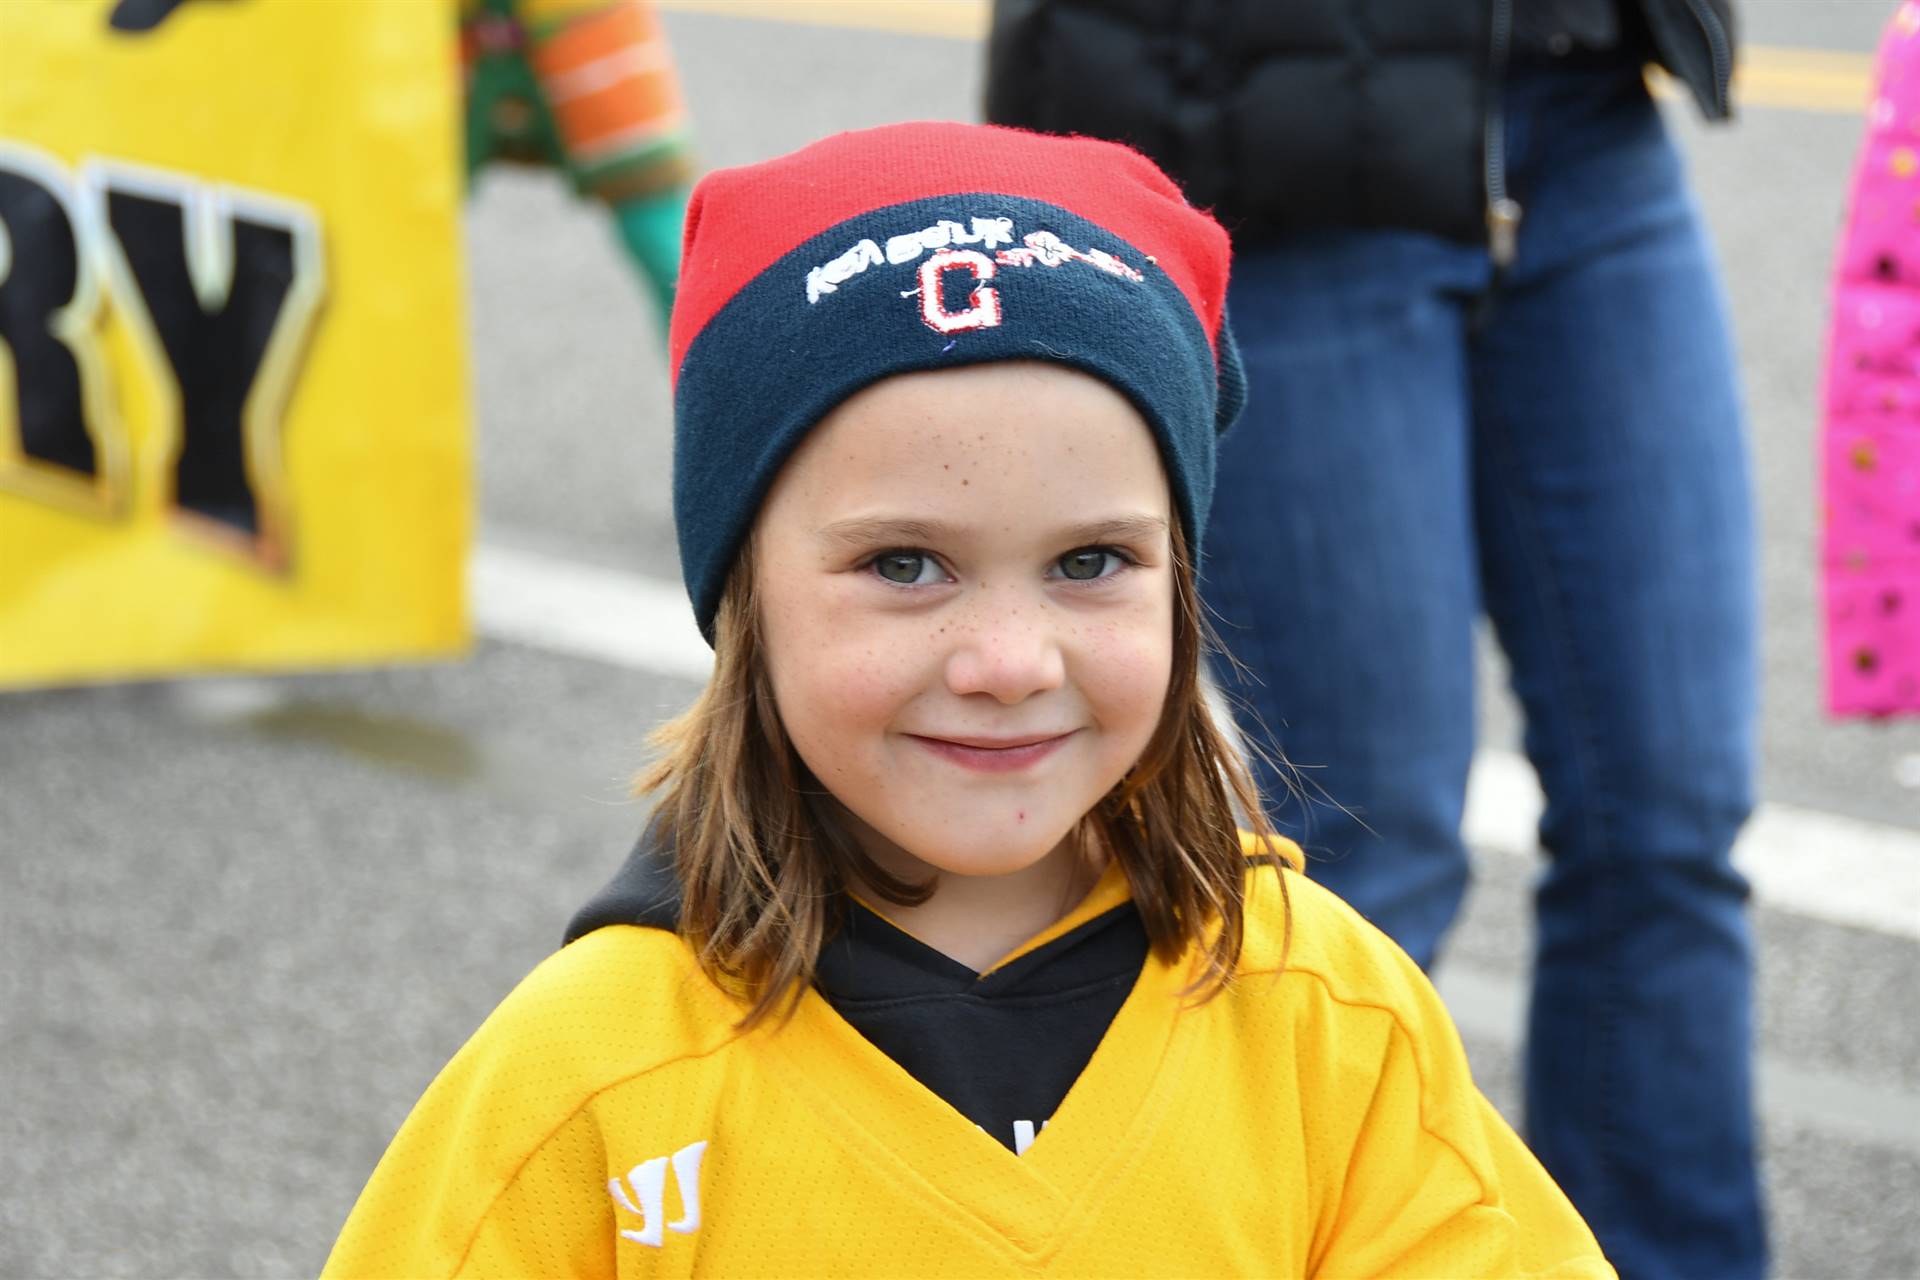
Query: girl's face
pixel 966 594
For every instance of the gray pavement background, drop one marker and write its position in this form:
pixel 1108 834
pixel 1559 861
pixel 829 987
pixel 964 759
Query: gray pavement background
pixel 242 923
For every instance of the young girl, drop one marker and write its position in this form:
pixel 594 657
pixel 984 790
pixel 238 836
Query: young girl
pixel 942 954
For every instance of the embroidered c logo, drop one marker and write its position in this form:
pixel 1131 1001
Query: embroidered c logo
pixel 983 310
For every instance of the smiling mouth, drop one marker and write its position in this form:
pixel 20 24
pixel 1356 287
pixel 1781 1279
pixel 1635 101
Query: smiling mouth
pixel 990 755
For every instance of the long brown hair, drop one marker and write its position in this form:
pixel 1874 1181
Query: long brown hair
pixel 763 862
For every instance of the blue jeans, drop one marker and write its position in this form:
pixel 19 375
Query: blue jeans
pixel 1566 454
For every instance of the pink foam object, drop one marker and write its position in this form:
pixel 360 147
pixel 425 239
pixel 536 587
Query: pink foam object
pixel 1870 405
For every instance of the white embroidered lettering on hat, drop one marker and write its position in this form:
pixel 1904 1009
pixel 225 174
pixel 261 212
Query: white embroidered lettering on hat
pixel 989 233
pixel 1048 250
pixel 1037 248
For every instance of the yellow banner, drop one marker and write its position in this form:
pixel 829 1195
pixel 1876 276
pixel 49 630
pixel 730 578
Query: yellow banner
pixel 234 428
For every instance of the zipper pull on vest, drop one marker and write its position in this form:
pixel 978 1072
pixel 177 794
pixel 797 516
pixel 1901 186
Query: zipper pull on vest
pixel 1503 230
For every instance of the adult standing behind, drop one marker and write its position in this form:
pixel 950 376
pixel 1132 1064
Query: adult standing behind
pixel 1489 370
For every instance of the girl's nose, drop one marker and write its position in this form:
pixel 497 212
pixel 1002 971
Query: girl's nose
pixel 1009 652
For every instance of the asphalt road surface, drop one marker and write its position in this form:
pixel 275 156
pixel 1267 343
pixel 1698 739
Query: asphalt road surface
pixel 242 923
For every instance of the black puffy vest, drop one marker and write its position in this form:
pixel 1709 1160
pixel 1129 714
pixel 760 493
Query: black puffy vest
pixel 1287 115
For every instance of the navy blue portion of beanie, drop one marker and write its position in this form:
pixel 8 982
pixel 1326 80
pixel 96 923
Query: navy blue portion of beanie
pixel 845 309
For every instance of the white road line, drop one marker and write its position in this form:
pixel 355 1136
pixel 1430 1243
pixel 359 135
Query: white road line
pixel 586 612
pixel 1493 1007
pixel 1825 866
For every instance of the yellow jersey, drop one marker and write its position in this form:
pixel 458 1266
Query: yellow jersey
pixel 1315 1118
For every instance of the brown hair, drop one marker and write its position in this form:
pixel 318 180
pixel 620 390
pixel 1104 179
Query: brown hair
pixel 762 861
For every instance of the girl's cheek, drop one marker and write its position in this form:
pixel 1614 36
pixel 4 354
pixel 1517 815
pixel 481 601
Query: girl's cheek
pixel 833 649
pixel 862 682
pixel 1134 646
pixel 1130 669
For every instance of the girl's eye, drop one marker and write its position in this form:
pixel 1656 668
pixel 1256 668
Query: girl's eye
pixel 908 568
pixel 1089 563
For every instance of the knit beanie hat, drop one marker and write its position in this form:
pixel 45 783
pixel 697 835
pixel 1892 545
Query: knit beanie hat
pixel 929 246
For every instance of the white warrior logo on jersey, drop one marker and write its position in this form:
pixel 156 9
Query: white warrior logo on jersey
pixel 648 1181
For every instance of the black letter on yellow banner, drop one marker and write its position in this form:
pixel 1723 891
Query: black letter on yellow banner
pixel 39 280
pixel 219 303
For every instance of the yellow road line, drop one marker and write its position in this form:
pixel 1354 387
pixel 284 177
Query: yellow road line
pixel 1771 76
pixel 953 19
pixel 1803 79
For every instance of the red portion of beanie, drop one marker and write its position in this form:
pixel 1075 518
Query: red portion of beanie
pixel 741 221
